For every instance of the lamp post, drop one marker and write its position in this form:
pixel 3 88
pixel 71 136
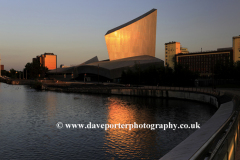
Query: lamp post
pixel 98 73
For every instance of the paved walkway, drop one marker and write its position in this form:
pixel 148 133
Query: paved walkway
pixel 232 90
pixel 237 92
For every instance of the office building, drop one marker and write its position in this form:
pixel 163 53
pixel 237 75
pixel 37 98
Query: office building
pixel 48 60
pixel 204 62
pixel 236 48
pixel 184 50
pixel 171 49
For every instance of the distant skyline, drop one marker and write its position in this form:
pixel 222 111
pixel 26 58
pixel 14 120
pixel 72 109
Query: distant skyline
pixel 74 30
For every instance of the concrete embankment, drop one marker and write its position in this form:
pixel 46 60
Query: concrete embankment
pixel 17 81
pixel 206 96
pixel 22 82
pixel 217 138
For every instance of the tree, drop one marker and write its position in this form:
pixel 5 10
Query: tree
pixel 35 70
pixel 183 76
pixel 13 73
pixel 225 70
pixel 237 70
pixel 153 75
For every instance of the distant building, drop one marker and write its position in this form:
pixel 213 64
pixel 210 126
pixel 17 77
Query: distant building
pixel 184 50
pixel 204 62
pixel 236 48
pixel 1 68
pixel 171 49
pixel 48 60
pixel 63 66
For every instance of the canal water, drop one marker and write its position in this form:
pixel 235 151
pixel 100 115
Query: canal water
pixel 28 127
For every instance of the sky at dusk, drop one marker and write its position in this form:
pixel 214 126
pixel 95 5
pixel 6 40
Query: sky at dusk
pixel 74 29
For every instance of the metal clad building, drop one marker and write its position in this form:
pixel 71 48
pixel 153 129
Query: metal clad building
pixel 134 38
pixel 128 45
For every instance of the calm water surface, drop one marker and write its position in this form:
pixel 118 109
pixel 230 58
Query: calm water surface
pixel 28 125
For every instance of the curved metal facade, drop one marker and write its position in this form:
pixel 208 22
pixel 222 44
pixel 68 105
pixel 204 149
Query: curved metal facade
pixel 108 69
pixel 135 38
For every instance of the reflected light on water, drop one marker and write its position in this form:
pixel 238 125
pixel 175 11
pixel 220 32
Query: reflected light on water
pixel 28 125
pixel 51 107
pixel 125 143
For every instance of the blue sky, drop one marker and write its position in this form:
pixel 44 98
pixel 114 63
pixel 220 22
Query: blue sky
pixel 74 29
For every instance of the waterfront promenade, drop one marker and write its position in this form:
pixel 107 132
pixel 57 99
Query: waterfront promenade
pixel 218 92
pixel 235 91
pixel 92 87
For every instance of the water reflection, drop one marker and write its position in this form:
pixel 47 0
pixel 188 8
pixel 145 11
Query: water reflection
pixel 51 107
pixel 125 143
pixel 28 125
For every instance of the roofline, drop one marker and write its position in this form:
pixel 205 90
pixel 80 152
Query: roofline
pixel 206 52
pixel 171 42
pixel 130 22
pixel 236 37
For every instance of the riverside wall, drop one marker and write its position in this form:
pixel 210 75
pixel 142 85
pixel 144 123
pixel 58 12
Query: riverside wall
pixel 215 140
pixel 17 81
pixel 205 96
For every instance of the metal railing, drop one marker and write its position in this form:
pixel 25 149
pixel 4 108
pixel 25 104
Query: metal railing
pixel 64 87
pixel 221 146
pixel 226 147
